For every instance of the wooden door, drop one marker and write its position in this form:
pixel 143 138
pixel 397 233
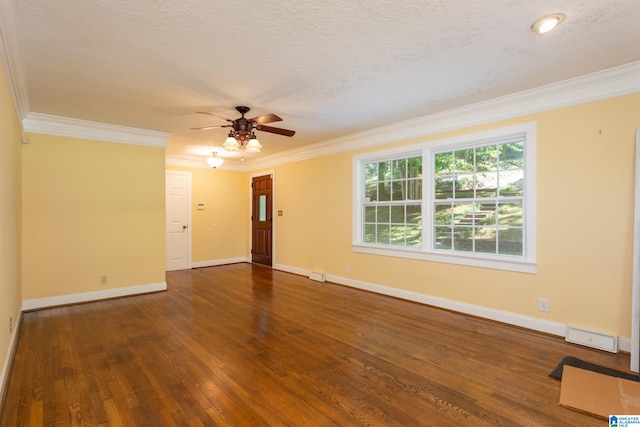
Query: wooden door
pixel 261 220
pixel 178 237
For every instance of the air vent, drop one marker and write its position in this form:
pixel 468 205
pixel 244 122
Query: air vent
pixel 592 339
pixel 318 277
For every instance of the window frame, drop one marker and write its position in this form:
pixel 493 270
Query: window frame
pixel 392 202
pixel 525 264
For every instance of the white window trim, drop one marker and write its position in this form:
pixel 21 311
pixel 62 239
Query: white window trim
pixel 525 264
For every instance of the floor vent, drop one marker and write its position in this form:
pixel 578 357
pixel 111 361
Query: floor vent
pixel 592 339
pixel 318 277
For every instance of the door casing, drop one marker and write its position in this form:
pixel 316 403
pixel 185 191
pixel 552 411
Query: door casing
pixel 635 286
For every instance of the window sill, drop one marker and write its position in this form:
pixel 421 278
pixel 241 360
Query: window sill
pixel 472 260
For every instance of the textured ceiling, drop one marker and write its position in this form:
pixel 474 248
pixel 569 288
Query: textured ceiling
pixel 328 68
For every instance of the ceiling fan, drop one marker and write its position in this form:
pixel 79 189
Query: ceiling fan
pixel 242 129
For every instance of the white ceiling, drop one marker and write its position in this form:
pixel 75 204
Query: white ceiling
pixel 329 69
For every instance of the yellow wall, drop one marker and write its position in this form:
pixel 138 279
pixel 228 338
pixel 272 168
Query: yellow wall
pixel 91 209
pixel 220 231
pixel 10 297
pixel 314 232
pixel 585 187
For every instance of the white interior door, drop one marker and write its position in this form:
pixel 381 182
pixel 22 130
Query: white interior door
pixel 178 200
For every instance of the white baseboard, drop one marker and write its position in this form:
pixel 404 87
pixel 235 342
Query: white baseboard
pixel 624 344
pixel 294 270
pixel 213 263
pixel 550 327
pixel 33 304
pixel 528 322
pixel 13 341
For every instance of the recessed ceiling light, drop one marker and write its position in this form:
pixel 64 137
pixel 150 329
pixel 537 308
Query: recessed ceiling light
pixel 547 23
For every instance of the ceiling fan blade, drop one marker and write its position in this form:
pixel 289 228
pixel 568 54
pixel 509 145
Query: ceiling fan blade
pixel 214 115
pixel 211 127
pixel 279 131
pixel 266 118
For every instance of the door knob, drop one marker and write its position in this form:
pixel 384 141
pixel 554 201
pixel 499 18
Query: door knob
pixel 184 227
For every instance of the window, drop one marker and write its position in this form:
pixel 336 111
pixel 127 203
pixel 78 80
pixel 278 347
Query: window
pixel 478 198
pixel 393 201
pixel 467 200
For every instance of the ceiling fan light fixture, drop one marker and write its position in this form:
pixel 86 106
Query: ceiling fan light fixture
pixel 215 161
pixel 547 23
pixel 231 144
pixel 253 146
pixel 242 135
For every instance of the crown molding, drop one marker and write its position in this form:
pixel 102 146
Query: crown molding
pixel 12 57
pixel 610 83
pixel 64 126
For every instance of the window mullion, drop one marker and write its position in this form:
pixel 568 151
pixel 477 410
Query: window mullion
pixel 428 195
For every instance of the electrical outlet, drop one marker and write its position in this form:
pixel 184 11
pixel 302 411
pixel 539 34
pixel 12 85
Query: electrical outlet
pixel 347 269
pixel 103 280
pixel 543 304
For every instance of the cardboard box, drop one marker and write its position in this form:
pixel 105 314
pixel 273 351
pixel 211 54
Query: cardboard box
pixel 599 394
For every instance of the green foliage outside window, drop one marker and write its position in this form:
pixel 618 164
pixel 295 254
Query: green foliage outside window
pixel 478 196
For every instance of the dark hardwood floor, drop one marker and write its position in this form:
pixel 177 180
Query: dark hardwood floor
pixel 248 346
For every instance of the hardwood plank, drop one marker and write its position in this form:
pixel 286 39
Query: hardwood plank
pixel 242 345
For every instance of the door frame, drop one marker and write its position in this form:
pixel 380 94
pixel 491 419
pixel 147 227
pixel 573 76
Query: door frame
pixel 189 190
pixel 635 286
pixel 273 208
